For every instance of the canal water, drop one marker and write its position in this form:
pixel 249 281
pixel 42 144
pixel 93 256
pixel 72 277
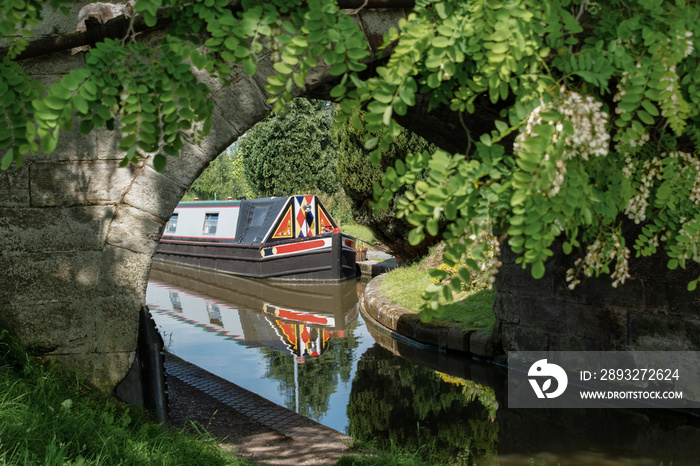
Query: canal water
pixel 308 349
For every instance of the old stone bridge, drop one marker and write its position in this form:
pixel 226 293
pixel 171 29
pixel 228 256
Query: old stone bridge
pixel 78 233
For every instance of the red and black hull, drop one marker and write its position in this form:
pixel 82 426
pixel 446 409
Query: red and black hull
pixel 329 257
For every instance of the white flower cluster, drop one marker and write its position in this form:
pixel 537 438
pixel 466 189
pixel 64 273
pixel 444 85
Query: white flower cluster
pixel 533 119
pixel 625 143
pixel 636 208
pixel 693 163
pixel 599 254
pixel 692 249
pixel 652 170
pixel 672 80
pixel 628 169
pixel 590 137
pixel 622 254
pixel 621 89
pixel 489 267
pixel 629 147
pixel 274 42
pixel 689 47
pixel 559 175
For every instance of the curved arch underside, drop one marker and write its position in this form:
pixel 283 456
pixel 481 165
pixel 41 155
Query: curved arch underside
pixel 78 232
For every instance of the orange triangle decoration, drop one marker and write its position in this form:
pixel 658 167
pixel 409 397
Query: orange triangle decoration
pixel 324 223
pixel 289 333
pixel 284 230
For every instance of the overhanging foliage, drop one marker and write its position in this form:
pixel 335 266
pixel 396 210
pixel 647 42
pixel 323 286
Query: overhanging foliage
pixel 598 110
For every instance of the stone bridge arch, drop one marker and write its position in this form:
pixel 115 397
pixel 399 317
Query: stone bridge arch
pixel 78 233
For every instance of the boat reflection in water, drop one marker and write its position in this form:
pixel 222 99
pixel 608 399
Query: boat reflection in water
pixel 250 331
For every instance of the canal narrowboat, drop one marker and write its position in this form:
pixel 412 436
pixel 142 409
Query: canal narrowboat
pixel 286 238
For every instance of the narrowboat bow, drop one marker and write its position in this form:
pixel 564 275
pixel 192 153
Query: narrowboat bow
pixel 287 238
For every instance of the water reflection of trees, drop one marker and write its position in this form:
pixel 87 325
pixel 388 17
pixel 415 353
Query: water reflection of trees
pixel 396 401
pixel 317 377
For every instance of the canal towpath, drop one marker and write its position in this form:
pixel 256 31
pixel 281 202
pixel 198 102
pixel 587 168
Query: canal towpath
pixel 245 423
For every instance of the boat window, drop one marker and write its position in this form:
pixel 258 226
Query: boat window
pixel 172 224
pixel 210 221
pixel 259 216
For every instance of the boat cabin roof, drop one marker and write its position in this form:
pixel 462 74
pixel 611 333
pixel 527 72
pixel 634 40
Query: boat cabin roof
pixel 255 218
pixel 253 221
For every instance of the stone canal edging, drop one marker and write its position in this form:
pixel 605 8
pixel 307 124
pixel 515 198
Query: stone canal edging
pixel 372 268
pixel 375 304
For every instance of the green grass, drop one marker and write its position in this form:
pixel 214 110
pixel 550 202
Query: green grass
pixel 49 416
pixel 472 308
pixel 383 459
pixel 360 232
pixel 392 455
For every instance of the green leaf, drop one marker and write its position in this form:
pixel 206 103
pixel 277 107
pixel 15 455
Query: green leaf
pixel 645 117
pixel 291 59
pixel 7 160
pixel 432 226
pixel 518 198
pixel 54 103
pixel 522 177
pixel 400 167
pixel 159 162
pixel 49 141
pixel 386 116
pixel 80 104
pixel 441 42
pixel 566 247
pixel 407 95
pixel 250 66
pixel 501 126
pixel 415 236
pixel 198 60
pixel 337 91
pixel 450 211
pixel 282 67
pixel 464 274
pixel 650 108
pixel 231 43
pixel 86 127
pixel 127 142
pixel 472 264
pixel 337 69
pixel 104 112
pixel 537 270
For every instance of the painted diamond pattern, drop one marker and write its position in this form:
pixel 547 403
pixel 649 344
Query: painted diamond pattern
pixel 304 219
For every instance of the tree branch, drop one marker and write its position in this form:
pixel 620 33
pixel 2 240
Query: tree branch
pixel 117 28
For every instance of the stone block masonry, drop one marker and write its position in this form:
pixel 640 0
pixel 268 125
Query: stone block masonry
pixel 651 311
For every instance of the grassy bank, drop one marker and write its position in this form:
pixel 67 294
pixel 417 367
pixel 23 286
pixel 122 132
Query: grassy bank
pixel 360 232
pixel 49 416
pixel 472 308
